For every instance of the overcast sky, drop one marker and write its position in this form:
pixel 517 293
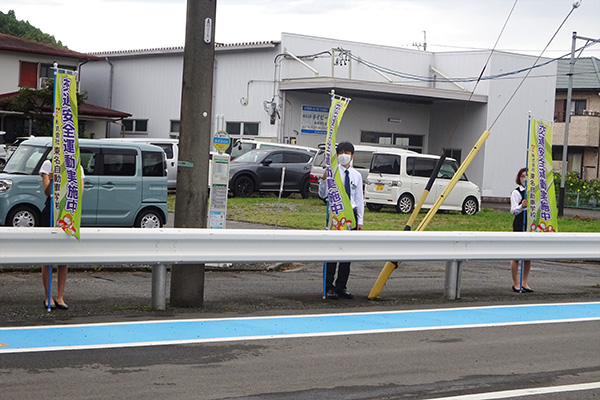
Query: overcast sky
pixel 103 25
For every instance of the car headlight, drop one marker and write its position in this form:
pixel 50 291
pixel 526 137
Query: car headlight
pixel 5 185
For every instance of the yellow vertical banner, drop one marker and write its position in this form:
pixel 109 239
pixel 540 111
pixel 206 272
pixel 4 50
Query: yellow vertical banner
pixel 67 190
pixel 541 198
pixel 341 216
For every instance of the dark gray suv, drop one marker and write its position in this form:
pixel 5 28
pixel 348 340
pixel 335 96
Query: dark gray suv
pixel 261 171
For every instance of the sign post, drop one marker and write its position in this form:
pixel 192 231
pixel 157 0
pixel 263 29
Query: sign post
pixel 217 204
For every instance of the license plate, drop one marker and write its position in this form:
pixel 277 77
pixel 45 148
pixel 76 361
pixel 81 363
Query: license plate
pixel 379 187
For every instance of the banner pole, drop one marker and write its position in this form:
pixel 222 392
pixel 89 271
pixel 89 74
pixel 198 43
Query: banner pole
pixel 49 300
pixel 525 213
pixel 325 263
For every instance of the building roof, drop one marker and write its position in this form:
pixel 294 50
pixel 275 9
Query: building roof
pixel 85 110
pixel 586 74
pixel 13 43
pixel 179 49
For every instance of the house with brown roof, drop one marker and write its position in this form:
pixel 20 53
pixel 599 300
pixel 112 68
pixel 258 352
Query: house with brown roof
pixel 28 64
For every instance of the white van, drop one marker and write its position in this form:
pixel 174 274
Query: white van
pixel 398 178
pixel 171 149
pixel 241 146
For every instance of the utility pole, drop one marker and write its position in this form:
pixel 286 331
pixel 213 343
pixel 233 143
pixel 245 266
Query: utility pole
pixel 187 281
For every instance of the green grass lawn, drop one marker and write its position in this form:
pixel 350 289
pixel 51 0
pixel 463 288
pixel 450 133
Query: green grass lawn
pixel 298 213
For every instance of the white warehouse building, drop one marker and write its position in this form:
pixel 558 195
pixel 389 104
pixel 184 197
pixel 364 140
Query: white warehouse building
pixel 279 90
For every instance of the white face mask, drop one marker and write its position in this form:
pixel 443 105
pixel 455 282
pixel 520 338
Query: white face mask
pixel 344 159
pixel 523 180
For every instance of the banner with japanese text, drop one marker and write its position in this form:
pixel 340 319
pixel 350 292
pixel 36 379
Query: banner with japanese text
pixel 341 215
pixel 541 198
pixel 67 178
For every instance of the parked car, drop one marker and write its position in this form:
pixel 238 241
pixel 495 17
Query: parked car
pixel 398 178
pixel 171 149
pixel 242 146
pixel 260 170
pixel 125 184
pixel 3 155
pixel 360 162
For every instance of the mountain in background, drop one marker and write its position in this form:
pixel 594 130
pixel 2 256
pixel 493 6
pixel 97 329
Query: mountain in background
pixel 23 29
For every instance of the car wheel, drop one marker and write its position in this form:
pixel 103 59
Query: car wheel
pixel 243 186
pixel 23 217
pixel 148 219
pixel 374 207
pixel 470 206
pixel 305 189
pixel 405 204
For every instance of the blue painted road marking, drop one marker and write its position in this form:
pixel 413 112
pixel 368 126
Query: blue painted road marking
pixel 130 334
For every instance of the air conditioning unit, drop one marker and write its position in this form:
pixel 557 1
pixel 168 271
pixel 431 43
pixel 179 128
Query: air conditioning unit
pixel 45 81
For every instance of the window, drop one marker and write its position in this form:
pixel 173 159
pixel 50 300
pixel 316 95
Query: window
pixel 560 108
pixel 577 107
pixel 88 158
pixel 453 153
pixel 386 164
pixel 296 158
pixel 119 162
pixel 403 141
pixel 242 128
pixel 175 126
pixel 420 166
pixel 362 159
pixel 28 74
pixel 167 148
pixel 275 158
pixel 153 164
pixel 135 125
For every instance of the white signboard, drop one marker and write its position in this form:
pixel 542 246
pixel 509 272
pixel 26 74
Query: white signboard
pixel 217 205
pixel 314 119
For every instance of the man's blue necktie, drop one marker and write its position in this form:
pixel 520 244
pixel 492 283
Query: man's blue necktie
pixel 347 183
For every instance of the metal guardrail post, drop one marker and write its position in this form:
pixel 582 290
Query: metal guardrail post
pixel 159 287
pixel 452 282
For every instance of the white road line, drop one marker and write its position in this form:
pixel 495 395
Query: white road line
pixel 507 394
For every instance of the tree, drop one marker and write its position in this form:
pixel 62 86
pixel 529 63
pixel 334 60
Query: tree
pixel 36 104
pixel 23 29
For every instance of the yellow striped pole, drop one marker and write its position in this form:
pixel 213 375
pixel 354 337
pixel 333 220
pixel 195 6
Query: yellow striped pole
pixel 461 170
pixel 389 266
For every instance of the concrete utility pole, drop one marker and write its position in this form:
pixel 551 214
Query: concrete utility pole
pixel 187 281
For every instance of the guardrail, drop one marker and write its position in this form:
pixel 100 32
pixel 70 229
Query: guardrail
pixel 159 247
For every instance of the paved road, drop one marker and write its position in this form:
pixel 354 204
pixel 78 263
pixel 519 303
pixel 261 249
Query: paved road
pixel 395 365
pixel 419 364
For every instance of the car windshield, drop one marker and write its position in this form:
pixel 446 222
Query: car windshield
pixel 25 159
pixel 252 156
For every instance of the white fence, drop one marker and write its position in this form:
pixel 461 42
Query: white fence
pixel 36 246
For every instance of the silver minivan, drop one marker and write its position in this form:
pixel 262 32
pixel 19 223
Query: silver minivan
pixel 125 184
pixel 398 178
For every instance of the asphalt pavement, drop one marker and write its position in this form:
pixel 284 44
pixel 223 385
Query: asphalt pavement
pixel 109 293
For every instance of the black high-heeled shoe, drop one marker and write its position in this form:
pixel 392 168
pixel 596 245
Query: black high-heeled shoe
pixel 52 306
